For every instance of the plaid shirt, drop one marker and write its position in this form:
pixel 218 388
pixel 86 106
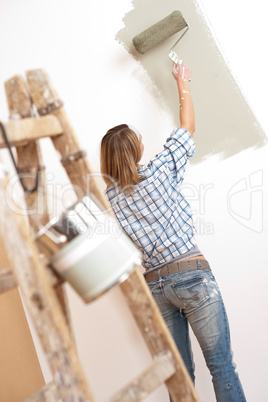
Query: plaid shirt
pixel 156 216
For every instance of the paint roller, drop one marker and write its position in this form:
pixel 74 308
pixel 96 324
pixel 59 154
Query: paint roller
pixel 160 31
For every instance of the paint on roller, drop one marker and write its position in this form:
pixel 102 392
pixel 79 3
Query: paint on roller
pixel 225 124
pixel 160 31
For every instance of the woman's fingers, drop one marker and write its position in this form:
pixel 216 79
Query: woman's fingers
pixel 181 71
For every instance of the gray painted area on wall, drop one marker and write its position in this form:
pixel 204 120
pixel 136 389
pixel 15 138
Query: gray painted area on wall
pixel 225 124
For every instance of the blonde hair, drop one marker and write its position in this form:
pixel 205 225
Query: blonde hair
pixel 120 154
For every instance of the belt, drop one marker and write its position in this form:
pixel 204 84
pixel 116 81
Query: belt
pixel 175 267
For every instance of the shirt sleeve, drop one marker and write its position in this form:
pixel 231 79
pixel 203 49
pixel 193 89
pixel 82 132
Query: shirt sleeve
pixel 178 148
pixel 170 163
pixel 181 138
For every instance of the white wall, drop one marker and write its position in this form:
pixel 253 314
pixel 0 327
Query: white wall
pixel 95 76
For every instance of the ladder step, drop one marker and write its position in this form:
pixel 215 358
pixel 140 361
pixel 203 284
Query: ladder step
pixel 30 129
pixel 48 393
pixel 160 371
pixel 7 280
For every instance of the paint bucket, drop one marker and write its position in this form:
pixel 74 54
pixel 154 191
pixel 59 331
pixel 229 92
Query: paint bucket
pixel 88 248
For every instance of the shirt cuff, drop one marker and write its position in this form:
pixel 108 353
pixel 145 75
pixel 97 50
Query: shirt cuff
pixel 185 139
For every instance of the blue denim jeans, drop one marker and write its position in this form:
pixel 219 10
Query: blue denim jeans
pixel 194 297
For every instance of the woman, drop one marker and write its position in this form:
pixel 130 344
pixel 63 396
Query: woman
pixel 148 204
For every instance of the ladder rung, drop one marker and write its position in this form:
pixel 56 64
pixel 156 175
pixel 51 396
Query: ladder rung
pixel 30 129
pixel 48 393
pixel 160 371
pixel 7 280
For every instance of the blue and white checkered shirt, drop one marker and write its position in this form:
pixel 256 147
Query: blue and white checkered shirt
pixel 156 216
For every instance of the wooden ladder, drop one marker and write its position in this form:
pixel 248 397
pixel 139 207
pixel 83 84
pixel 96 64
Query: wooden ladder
pixel 36 112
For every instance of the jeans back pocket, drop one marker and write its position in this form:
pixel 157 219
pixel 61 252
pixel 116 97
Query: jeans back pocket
pixel 191 292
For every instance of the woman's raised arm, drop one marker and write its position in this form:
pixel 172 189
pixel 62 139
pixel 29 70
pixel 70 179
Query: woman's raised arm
pixel 182 75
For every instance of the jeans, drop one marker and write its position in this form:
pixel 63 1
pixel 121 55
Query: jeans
pixel 194 297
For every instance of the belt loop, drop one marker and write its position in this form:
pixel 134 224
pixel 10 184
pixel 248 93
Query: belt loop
pixel 198 263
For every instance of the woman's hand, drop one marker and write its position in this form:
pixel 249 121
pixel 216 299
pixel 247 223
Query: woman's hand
pixel 181 73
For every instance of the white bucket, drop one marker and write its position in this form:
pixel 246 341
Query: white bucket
pixel 97 254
